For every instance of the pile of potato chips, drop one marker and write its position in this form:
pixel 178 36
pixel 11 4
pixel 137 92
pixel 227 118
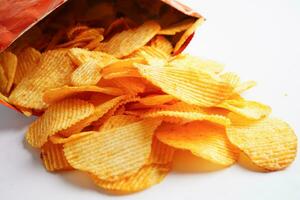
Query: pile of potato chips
pixel 117 102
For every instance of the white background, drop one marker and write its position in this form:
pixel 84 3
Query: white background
pixel 258 39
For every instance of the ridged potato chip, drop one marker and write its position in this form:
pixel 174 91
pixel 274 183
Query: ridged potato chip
pixel 269 143
pixel 58 139
pixel 51 72
pixel 53 157
pixel 9 62
pixel 94 154
pixel 161 153
pixel 163 44
pixel 87 74
pixel 188 85
pixel 130 85
pixel 119 120
pixel 178 27
pixel 28 59
pixel 203 139
pixel 3 80
pixel 231 78
pixel 54 95
pixel 244 87
pixel 126 42
pixel 248 109
pixel 56 118
pixel 183 113
pixel 153 56
pixel 146 177
pixel 154 100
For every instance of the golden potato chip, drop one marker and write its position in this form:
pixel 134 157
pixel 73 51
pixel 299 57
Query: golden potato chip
pixel 53 157
pixel 231 78
pixel 146 177
pixel 56 118
pixel 52 72
pixel 270 143
pixel 9 63
pixel 76 30
pixel 77 42
pixel 244 87
pixel 163 44
pixel 152 55
pixel 28 59
pixel 188 33
pixel 86 74
pixel 203 139
pixel 178 27
pixel 54 95
pixel 94 43
pixel 130 85
pixel 248 109
pixel 153 100
pixel 195 63
pixel 161 153
pixel 58 139
pixel 188 85
pixel 119 120
pixel 126 42
pixel 94 154
pixel 81 56
pixel 2 97
pixel 183 113
pixel 3 80
pixel 27 112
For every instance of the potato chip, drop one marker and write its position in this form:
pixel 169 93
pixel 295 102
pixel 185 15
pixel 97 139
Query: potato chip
pixel 163 44
pixel 25 111
pixel 2 97
pixel 75 31
pixel 28 59
pixel 58 139
pixel 86 74
pixel 244 87
pixel 3 80
pixel 270 143
pixel 152 55
pixel 231 78
pixel 130 85
pixel 188 33
pixel 119 120
pixel 81 56
pixel 56 118
pixel 94 43
pixel 248 109
pixel 146 177
pixel 178 27
pixel 191 86
pixel 126 42
pixel 154 100
pixel 52 72
pixel 203 139
pixel 53 157
pixel 94 154
pixel 183 113
pixel 161 153
pixel 9 63
pixel 54 95
pixel 117 26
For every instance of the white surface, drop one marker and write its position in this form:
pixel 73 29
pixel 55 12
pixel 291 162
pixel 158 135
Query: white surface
pixel 258 39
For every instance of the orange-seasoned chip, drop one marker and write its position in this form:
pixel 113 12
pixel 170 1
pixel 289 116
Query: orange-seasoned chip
pixel 203 139
pixel 57 94
pixel 28 60
pixel 186 84
pixel 56 118
pixel 96 155
pixel 269 143
pixel 188 33
pixel 159 99
pixel 162 43
pixel 183 113
pixel 248 109
pixel 161 153
pixel 146 177
pixel 3 80
pixel 130 85
pixel 126 42
pixel 2 97
pixel 86 74
pixel 178 27
pixel 153 56
pixel 58 139
pixel 119 120
pixel 53 157
pixel 52 72
pixel 9 63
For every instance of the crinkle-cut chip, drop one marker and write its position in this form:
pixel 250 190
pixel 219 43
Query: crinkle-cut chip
pixel 80 56
pixel 28 60
pixel 129 73
pixel 58 139
pixel 94 43
pixel 195 63
pixel 269 143
pixel 184 113
pixel 53 157
pixel 52 72
pixel 126 42
pixel 244 87
pixel 118 121
pixel 248 109
pixel 146 177
pixel 159 99
pixel 111 154
pixel 100 111
pixel 86 74
pixel 56 118
pixel 99 98
pixel 91 32
pixel 117 26
pixel 3 80
pixel 58 94
pixel 231 78
pixel 188 33
pixel 188 85
pixel 9 62
pixel 75 31
pixel 152 55
pixel 74 43
pixel 178 27
pixel 130 85
pixel 162 43
pixel 203 139
pixel 160 153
